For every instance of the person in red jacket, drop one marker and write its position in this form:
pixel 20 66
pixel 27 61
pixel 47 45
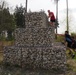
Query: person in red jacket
pixel 51 17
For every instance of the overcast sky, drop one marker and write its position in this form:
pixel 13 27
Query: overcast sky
pixel 37 5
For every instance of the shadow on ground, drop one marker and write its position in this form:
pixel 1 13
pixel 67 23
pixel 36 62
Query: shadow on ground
pixel 12 70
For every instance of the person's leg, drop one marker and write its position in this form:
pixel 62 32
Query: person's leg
pixel 71 51
pixel 53 22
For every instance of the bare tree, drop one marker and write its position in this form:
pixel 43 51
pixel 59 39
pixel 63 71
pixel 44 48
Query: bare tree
pixel 71 21
pixel 3 4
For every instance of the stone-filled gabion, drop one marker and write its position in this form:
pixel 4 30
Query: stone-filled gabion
pixel 34 45
pixel 36 20
pixel 34 37
pixel 36 57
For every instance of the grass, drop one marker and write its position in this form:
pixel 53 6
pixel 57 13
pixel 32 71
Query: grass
pixel 71 62
pixel 1 57
pixel 2 44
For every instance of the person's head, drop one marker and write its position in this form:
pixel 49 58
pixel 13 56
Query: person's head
pixel 48 11
pixel 66 32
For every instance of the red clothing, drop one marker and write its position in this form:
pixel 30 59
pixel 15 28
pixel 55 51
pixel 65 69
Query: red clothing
pixel 51 15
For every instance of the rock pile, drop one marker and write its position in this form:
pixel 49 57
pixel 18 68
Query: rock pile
pixel 34 46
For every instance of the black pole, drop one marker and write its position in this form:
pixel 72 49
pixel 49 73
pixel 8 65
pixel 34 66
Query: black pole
pixel 25 11
pixel 56 17
pixel 26 7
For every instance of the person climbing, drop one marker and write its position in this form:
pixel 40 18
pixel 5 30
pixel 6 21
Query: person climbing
pixel 51 17
pixel 68 43
pixel 73 45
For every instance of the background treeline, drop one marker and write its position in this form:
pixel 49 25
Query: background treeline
pixel 10 21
